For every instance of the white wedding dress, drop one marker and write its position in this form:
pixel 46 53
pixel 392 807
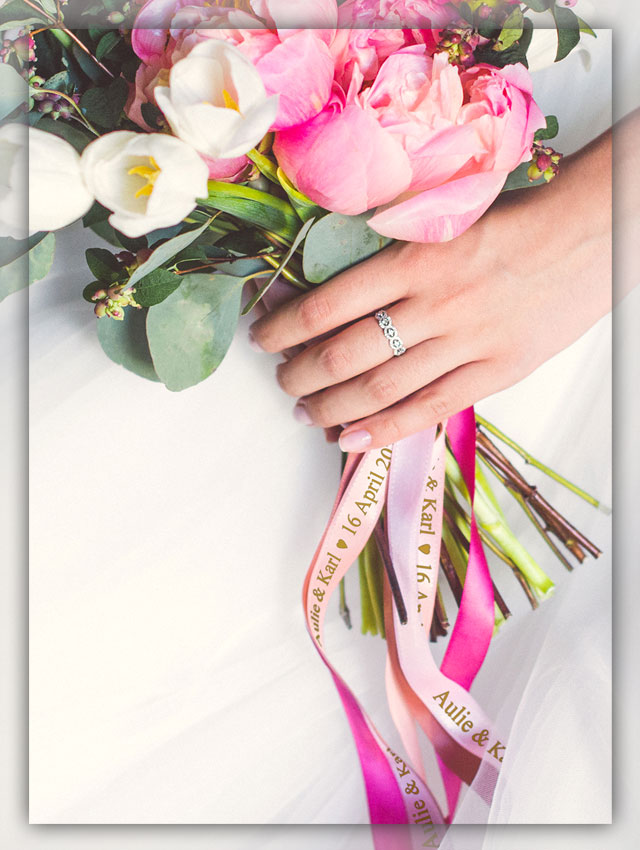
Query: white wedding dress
pixel 171 677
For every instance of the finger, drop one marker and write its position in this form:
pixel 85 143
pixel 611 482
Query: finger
pixel 434 403
pixel 353 351
pixel 351 295
pixel 385 385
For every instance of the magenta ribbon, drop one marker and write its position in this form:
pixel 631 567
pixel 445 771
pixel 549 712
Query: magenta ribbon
pixel 473 629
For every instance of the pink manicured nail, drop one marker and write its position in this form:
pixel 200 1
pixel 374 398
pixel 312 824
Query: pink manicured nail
pixel 301 414
pixel 253 342
pixel 355 441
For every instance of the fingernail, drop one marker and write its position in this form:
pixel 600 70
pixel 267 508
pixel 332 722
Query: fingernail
pixel 301 413
pixel 253 342
pixel 355 441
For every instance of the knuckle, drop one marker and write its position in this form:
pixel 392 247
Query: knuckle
pixel 437 407
pixel 382 388
pixel 390 429
pixel 314 311
pixel 286 380
pixel 321 411
pixel 333 360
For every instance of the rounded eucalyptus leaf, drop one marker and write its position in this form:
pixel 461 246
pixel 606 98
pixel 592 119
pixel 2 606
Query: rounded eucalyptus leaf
pixel 190 332
pixel 125 342
pixel 337 242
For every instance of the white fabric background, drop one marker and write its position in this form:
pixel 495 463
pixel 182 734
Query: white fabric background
pixel 171 678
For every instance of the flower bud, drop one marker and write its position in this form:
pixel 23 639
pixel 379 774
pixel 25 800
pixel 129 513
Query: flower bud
pixel 100 310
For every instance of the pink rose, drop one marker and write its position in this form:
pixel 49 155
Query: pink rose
pixel 427 143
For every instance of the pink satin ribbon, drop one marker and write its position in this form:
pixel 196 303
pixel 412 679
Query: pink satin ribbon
pixel 397 791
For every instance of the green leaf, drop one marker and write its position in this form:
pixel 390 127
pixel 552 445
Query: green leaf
pixel 11 249
pixel 272 279
pixel 256 207
pixel 337 242
pixel 304 206
pixel 72 133
pixel 103 106
pixel 125 342
pixel 88 65
pixel 511 30
pixel 155 287
pixel 585 28
pixel 28 268
pixel 568 27
pixel 17 14
pixel 550 131
pixel 151 114
pixel 518 179
pixel 13 90
pixel 190 332
pixel 540 5
pixel 166 251
pixel 90 290
pixel 102 264
pixel 107 43
pixel 60 82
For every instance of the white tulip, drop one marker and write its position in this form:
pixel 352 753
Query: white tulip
pixel 216 101
pixel 13 181
pixel 45 169
pixel 57 192
pixel 149 180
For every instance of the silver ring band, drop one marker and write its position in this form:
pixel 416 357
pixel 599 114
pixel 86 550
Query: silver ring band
pixel 388 329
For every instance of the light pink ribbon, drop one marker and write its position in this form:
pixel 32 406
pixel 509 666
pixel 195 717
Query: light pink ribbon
pixel 393 788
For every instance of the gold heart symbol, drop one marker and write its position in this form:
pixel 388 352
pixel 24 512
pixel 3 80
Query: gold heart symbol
pixel 425 548
pixel 341 544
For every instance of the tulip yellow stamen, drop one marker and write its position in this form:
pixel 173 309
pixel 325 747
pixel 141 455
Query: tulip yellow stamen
pixel 149 174
pixel 229 102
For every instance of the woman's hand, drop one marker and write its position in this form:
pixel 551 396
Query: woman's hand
pixel 476 314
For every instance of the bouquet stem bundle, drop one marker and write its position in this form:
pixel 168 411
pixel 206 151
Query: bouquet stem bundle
pixel 564 540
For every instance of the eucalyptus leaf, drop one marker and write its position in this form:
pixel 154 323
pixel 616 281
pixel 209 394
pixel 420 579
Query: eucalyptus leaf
pixel 28 268
pixel 125 342
pixel 13 89
pixel 336 243
pixel 540 5
pixel 568 26
pixel 190 332
pixel 166 251
pixel 11 249
pixel 585 28
pixel 156 286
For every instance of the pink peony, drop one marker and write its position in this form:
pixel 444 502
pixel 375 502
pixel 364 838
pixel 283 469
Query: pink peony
pixel 427 143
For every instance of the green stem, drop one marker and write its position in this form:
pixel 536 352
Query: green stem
pixel 373 572
pixel 533 518
pixel 72 102
pixel 528 458
pixel 491 521
pixel 265 165
pixel 368 618
pixel 344 608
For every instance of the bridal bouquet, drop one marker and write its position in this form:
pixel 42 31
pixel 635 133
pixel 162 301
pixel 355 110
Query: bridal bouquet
pixel 233 154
